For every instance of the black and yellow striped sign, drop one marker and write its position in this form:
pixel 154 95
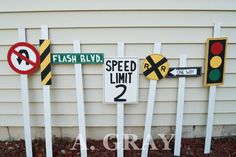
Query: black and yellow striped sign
pixel 155 67
pixel 45 58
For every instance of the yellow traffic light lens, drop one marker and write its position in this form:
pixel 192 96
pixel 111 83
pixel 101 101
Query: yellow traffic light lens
pixel 215 62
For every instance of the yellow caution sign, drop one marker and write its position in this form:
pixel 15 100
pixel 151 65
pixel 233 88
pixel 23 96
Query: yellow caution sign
pixel 45 58
pixel 155 67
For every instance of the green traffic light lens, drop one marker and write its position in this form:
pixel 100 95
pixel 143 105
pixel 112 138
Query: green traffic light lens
pixel 214 75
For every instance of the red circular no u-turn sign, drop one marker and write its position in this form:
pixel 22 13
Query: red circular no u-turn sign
pixel 23 58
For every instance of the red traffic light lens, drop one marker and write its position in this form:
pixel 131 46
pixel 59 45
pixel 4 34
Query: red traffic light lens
pixel 217 48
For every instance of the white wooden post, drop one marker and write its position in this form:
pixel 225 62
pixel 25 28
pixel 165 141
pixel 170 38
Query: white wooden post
pixel 211 101
pixel 25 102
pixel 120 111
pixel 180 109
pixel 47 105
pixel 150 107
pixel 80 102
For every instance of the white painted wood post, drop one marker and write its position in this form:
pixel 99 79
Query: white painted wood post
pixel 150 108
pixel 180 109
pixel 120 111
pixel 25 102
pixel 47 105
pixel 211 101
pixel 80 102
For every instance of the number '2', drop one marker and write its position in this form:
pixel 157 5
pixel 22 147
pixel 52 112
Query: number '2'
pixel 118 98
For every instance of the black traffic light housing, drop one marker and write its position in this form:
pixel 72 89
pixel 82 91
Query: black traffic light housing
pixel 215 61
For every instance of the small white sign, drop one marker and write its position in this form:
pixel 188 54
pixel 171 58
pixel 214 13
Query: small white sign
pixel 121 80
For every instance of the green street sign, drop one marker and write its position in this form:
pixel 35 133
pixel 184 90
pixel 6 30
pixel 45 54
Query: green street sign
pixel 77 58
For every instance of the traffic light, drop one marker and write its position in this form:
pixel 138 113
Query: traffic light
pixel 215 61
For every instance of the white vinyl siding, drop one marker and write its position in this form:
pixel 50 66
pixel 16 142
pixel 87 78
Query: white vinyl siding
pixel 181 27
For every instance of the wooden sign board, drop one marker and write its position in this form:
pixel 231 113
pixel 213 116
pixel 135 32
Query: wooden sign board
pixel 184 72
pixel 23 58
pixel 77 58
pixel 155 67
pixel 121 80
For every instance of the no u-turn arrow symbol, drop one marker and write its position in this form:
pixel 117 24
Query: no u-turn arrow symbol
pixel 184 72
pixel 23 58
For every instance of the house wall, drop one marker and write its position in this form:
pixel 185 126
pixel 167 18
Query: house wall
pixel 181 27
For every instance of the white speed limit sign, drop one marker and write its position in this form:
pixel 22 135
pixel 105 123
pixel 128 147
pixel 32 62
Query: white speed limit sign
pixel 121 80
